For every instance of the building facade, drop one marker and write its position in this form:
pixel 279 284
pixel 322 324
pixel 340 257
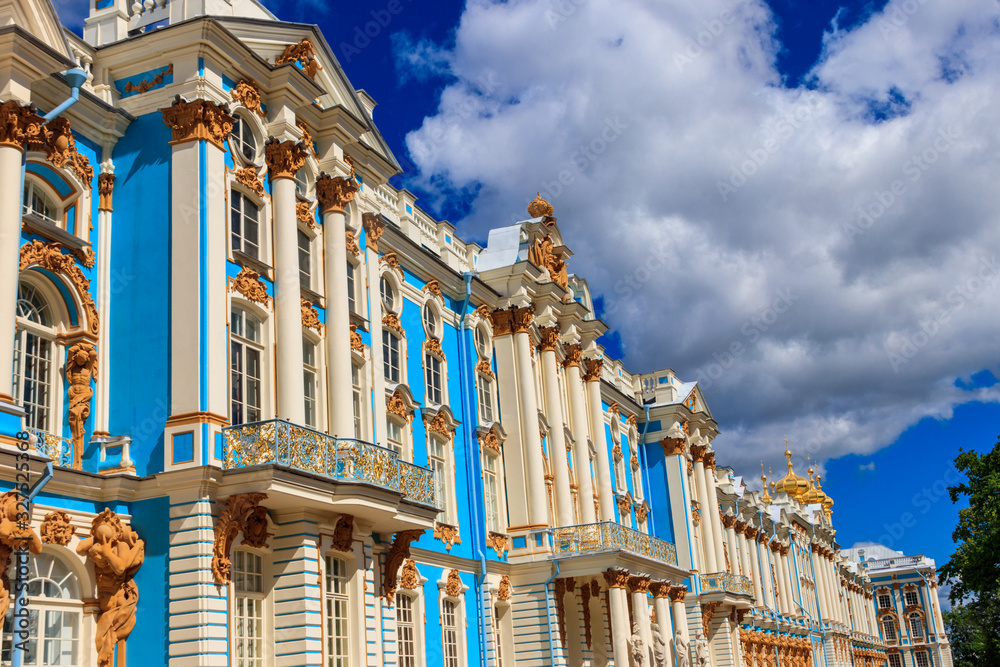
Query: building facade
pixel 294 420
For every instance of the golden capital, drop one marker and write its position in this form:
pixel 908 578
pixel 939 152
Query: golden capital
pixel 698 452
pixel 19 125
pixel 593 369
pixel 374 227
pixel 678 593
pixel 522 318
pixel 574 354
pixel 728 521
pixel 336 192
pixel 710 460
pixel 284 158
pixel 659 589
pixel 550 338
pixel 198 120
pixel 638 584
pixel 672 446
pixel 616 578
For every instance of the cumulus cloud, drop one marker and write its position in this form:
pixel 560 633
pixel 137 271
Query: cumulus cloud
pixel 823 258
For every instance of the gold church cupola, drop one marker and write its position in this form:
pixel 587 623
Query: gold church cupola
pixel 791 484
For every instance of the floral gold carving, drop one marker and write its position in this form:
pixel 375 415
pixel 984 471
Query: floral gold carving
pixel 336 192
pixel 59 144
pixel 304 213
pixel 117 553
pixel 50 257
pixel 434 287
pixel 86 257
pixel 546 255
pixel 391 321
pixel 634 462
pixel 433 345
pixel 374 227
pixel 631 421
pixel 440 425
pixel 503 322
pixel 243 512
pixel 677 593
pixel 522 318
pixel 482 312
pixel 310 316
pixel 616 452
pixel 357 345
pixel 490 440
pixel 409 578
pixel 539 208
pixel 19 125
pixel 624 505
pixel 672 446
pixel 616 578
pixel 698 452
pixel 396 406
pixel 641 512
pixel 447 534
pixel 303 53
pixel 247 93
pixel 248 177
pixel 105 189
pixel 638 584
pixel 560 587
pixel 484 367
pixel 14 534
pixel 198 120
pixel 81 367
pixel 549 338
pixel 593 372
pixel 398 552
pixel 585 601
pixel 283 158
pixel 57 528
pixel 574 354
pixel 499 542
pixel 147 85
pixel 707 612
pixel 503 591
pixel 343 533
pixel 710 460
pixel 248 283
pixel 306 137
pixel 454 586
pixel 392 261
pixel 352 243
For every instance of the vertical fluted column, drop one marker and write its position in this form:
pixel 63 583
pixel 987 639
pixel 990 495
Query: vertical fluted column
pixel 750 549
pixel 767 579
pixel 728 524
pixel 661 603
pixel 677 595
pixel 581 433
pixel 639 588
pixel 936 605
pixel 334 194
pixel 284 159
pixel 105 186
pixel 516 322
pixel 714 516
pixel 557 434
pixel 592 377
pixel 617 581
pixel 17 125
pixel 707 533
pixel 786 573
pixel 374 228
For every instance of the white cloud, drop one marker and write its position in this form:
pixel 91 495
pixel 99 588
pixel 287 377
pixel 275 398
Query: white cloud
pixel 870 466
pixel 825 257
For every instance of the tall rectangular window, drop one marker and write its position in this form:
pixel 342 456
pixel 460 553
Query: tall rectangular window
pixel 352 288
pixel 394 434
pixel 884 601
pixel 357 397
pixel 889 629
pixel 895 660
pixel 390 356
pixel 245 355
pixel 33 378
pixel 248 619
pixel 449 633
pixel 437 459
pixel 305 262
pixel 244 224
pixel 491 491
pixel 484 388
pixel 406 639
pixel 338 635
pixel 912 599
pixel 432 369
pixel 921 659
pixel 310 374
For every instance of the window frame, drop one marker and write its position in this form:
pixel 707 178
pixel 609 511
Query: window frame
pixel 47 336
pixel 314 369
pixel 308 275
pixel 264 599
pixel 485 398
pixel 237 140
pixel 347 597
pixel 434 370
pixel 445 484
pixel 415 602
pixel 393 342
pixel 490 456
pixel 261 347
pixel 457 626
pixel 238 193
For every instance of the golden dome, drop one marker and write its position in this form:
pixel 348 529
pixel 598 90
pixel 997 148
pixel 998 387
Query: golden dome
pixel 765 497
pixel 539 208
pixel 827 501
pixel 791 483
pixel 813 496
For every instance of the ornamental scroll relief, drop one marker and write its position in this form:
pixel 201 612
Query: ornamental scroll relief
pixel 50 257
pixel 243 513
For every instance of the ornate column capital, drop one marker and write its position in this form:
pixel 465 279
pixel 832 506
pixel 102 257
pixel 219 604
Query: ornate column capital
pixel 574 354
pixel 616 578
pixel 698 452
pixel 672 446
pixel 283 158
pixel 710 460
pixel 550 338
pixel 763 537
pixel 374 228
pixel 198 120
pixel 20 125
pixel 678 593
pixel 740 527
pixel 659 589
pixel 593 369
pixel 639 585
pixel 336 192
pixel 728 521
pixel 750 532
pixel 512 320
pixel 523 318
pixel 775 546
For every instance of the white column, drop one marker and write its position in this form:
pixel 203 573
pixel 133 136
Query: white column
pixel 557 434
pixel 639 587
pixel 661 603
pixel 333 195
pixel 581 433
pixel 786 575
pixel 284 159
pixel 677 595
pixel 731 546
pixel 714 516
pixel 768 576
pixel 520 321
pixel 593 379
pixel 617 580
pixel 374 227
pixel 707 533
pixel 106 181
pixel 750 545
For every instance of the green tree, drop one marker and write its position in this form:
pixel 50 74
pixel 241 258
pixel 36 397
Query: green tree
pixel 974 569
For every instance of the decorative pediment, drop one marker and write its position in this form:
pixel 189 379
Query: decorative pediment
pixel 433 345
pixel 447 534
pixel 401 403
pixel 352 243
pixel 248 283
pixel 243 512
pixel 492 437
pixel 391 321
pixel 305 213
pixel 440 420
pixel 50 257
pixel 310 317
pixel 247 93
pixel 454 587
pixel 357 345
pixel 484 367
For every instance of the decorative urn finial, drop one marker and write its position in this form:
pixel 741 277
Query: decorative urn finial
pixel 539 208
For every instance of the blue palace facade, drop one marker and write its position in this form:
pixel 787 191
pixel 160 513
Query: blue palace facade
pixel 268 412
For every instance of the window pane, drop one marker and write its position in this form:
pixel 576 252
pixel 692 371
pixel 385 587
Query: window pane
pixel 352 304
pixel 305 270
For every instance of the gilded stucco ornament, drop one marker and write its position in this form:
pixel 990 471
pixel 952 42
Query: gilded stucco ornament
pixel 397 406
pixel 483 367
pixel 574 354
pixel 352 243
pixel 391 321
pixel 19 125
pixel 585 603
pixel 105 190
pixel 306 137
pixel 560 599
pixel 398 552
pixel 616 452
pixel 440 424
pixel 247 93
pixel 641 512
pixel 57 528
pixel 334 193
pixel 447 534
pixel 374 228
pixel 672 446
pixel 499 542
pixel 14 534
pixel 60 149
pixel 343 533
pixel 392 261
pixel 248 177
pixel 248 283
pixel 593 369
pixel 503 591
pixel 522 318
pixel 503 322
pixel 283 158
pixel 49 256
pixel 454 586
pixel 198 120
pixel 303 53
pixel 434 287
pixel 148 84
pixel 117 553
pixel 549 338
pixel 539 208
pixel 482 311
pixel 546 255
pixel 357 345
pixel 304 214
pixel 707 612
pixel 310 317
pixel 489 439
pixel 616 578
pixel 81 367
pixel 243 512
pixel 409 578
pixel 433 345
pixel 86 257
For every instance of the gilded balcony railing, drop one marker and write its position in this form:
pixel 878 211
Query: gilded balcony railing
pixel 610 536
pixel 726 582
pixel 303 448
pixel 60 450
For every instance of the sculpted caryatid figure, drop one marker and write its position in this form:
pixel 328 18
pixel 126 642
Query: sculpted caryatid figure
pixel 12 537
pixel 701 651
pixel 637 648
pixel 683 653
pixel 81 366
pixel 659 647
pixel 116 552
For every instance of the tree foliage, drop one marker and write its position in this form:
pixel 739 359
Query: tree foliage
pixel 974 569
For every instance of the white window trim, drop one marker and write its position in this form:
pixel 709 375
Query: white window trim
pixel 450 514
pixel 501 498
pixel 267 338
pixel 60 324
pixel 427 378
pixel 267 580
pixel 320 369
pixel 356 594
pixel 419 625
pixel 459 602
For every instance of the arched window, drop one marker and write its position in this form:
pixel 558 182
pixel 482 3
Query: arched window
pixel 889 628
pixel 246 354
pixel 916 626
pixel 54 615
pixel 484 391
pixel 430 320
pixel 34 370
pixel 39 203
pixel 912 598
pixel 243 139
pixel 388 294
pixel 338 613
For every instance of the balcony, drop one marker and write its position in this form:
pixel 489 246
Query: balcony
pixel 60 450
pixel 724 582
pixel 610 536
pixel 301 448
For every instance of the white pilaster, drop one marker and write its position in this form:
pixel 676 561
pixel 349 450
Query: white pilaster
pixel 338 323
pixel 581 433
pixel 606 493
pixel 557 438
